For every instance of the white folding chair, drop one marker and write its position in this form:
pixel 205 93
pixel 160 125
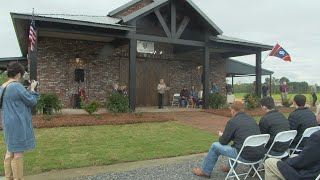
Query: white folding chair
pixel 307 133
pixel 251 141
pixel 318 177
pixel 285 136
pixel 175 100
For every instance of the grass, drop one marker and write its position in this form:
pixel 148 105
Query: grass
pixel 277 97
pixel 72 147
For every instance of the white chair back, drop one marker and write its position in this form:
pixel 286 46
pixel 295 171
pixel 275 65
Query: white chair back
pixel 307 133
pixel 285 136
pixel 175 99
pixel 318 177
pixel 256 140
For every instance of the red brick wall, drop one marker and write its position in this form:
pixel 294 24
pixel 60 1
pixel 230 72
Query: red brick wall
pixel 56 65
pixel 134 8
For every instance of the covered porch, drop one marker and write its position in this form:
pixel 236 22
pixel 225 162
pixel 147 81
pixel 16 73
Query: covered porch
pixel 179 27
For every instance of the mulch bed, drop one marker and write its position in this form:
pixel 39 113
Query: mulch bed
pixel 40 121
pixel 256 112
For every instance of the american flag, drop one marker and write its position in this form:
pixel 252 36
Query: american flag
pixel 32 36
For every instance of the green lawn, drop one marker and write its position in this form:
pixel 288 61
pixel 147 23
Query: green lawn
pixel 277 97
pixel 62 148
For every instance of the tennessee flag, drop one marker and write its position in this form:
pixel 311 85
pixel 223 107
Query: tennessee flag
pixel 279 52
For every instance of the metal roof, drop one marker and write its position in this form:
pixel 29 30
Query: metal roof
pixel 232 40
pixel 13 59
pixel 87 20
pixel 234 67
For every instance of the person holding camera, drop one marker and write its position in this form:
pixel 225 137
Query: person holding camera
pixel 16 104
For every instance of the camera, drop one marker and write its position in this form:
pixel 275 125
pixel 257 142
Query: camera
pixel 26 82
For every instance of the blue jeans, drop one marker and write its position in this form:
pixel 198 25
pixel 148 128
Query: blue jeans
pixel 214 152
pixel 186 101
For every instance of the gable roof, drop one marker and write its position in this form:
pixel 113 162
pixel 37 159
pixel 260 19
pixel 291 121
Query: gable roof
pixel 158 4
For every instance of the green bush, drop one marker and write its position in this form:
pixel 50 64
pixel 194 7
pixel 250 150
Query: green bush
pixel 216 101
pixel 251 101
pixel 287 102
pixel 90 106
pixel 118 103
pixel 48 104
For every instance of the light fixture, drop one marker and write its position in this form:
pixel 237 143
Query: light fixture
pixel 160 52
pixel 78 59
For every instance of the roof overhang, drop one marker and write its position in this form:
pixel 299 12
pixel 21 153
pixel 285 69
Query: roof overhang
pixel 237 68
pixel 232 47
pixel 63 28
pixel 5 61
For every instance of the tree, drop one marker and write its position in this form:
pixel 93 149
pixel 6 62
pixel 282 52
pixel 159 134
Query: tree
pixel 284 79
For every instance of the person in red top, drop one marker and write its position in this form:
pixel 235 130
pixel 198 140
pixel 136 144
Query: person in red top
pixel 284 91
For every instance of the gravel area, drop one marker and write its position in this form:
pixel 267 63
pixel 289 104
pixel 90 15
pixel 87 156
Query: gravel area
pixel 177 171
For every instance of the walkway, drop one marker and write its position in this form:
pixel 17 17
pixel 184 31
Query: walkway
pixel 177 168
pixel 205 121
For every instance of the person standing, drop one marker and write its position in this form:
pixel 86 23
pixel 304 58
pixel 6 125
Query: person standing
pixel 318 114
pixel 314 94
pixel 161 91
pixel 193 96
pixel 17 102
pixel 284 91
pixel 265 90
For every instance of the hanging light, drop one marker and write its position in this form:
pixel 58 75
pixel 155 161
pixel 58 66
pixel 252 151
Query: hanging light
pixel 78 59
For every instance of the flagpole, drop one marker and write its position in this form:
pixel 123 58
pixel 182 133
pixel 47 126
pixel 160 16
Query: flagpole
pixel 268 54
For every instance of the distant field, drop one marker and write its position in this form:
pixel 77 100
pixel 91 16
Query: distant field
pixel 277 97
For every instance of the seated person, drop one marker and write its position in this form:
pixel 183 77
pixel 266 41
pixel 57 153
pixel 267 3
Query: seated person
pixel 238 128
pixel 229 89
pixel 184 96
pixel 273 122
pixel 318 114
pixel 214 88
pixel 193 95
pixel 306 165
pixel 115 89
pixel 199 101
pixel 301 119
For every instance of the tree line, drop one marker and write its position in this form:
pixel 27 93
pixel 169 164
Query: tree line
pixel 294 87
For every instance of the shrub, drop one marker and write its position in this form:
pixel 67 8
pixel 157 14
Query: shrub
pixel 216 101
pixel 251 101
pixel 48 103
pixel 90 106
pixel 118 103
pixel 287 102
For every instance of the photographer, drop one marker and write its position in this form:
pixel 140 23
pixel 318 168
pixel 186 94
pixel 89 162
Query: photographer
pixel 16 103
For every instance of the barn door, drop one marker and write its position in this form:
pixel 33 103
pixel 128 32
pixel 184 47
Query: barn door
pixel 148 74
pixel 156 70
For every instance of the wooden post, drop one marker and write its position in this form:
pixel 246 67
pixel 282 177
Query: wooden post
pixel 173 19
pixel 132 73
pixel 206 65
pixel 258 74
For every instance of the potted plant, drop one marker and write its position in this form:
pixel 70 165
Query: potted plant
pixel 48 103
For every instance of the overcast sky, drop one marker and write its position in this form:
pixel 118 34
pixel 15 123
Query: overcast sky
pixel 294 24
